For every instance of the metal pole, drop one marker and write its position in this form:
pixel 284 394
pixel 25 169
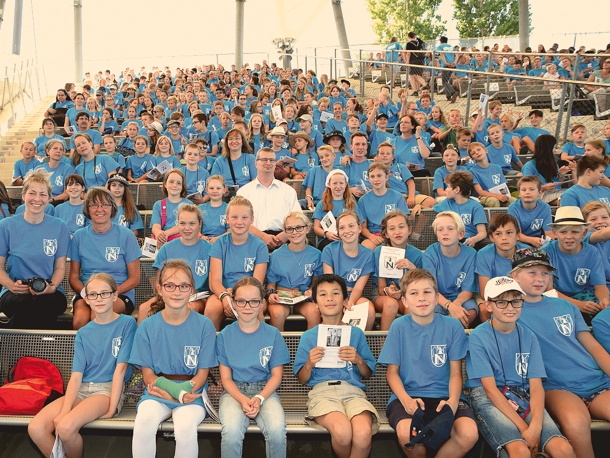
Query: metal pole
pixel 562 100
pixel 488 80
pixel 362 81
pixel 315 56
pixel 341 31
pixel 78 40
pixel 17 27
pixel 524 24
pixel 239 34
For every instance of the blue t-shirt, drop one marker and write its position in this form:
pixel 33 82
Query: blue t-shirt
pixel 511 359
pixel 95 136
pixel 407 151
pixel 490 263
pixel 173 160
pixel 58 177
pixel 21 168
pixel 440 174
pixel 72 215
pixel 357 172
pixel 214 219
pixel 350 373
pixel 529 168
pixel 338 208
pixel 174 349
pixel 109 252
pixel 305 162
pixel 471 212
pixel 423 354
pixel 32 249
pixel 290 269
pixel 48 210
pixel 453 275
pixel 372 208
pixel 239 260
pixel 95 172
pixel 316 181
pixel 197 256
pixel 503 156
pixel 411 253
pixel 139 165
pixel 170 213
pixel 487 177
pixel 195 179
pixel 530 132
pixel 399 175
pixel 578 196
pixel 244 168
pixel 568 365
pixel 119 219
pixel 577 272
pixel 41 142
pixel 251 356
pixel 534 222
pixel 601 328
pixel 98 348
pixel 573 150
pixel 350 269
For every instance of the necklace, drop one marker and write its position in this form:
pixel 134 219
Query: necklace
pixel 299 262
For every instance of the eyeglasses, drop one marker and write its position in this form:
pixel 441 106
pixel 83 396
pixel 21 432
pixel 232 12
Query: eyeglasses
pixel 103 295
pixel 253 303
pixel 266 159
pixel 171 287
pixel 516 303
pixel 290 230
pixel 100 205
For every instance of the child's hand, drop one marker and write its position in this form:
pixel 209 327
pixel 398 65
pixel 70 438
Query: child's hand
pixel 391 290
pixel 255 404
pixel 458 312
pixel 589 307
pixel 109 414
pixel 158 392
pixel 501 197
pixel 410 201
pixel 315 355
pixel 332 236
pixel 531 438
pixel 376 239
pixel 413 404
pixel 349 354
pixel 246 406
pixel 190 397
pixel 453 405
pixel 274 299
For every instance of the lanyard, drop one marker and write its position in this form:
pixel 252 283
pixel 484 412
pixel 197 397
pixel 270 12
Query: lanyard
pixel 500 353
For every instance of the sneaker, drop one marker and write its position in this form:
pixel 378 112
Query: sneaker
pixel 415 94
pixel 524 150
pixel 454 97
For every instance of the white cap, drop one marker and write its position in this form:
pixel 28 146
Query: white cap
pixel 335 172
pixel 500 285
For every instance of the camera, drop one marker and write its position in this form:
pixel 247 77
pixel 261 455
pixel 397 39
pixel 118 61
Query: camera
pixel 38 284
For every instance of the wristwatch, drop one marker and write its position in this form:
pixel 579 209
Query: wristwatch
pixel 261 398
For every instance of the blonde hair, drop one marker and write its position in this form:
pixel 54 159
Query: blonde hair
pixel 37 176
pixel 593 206
pixel 454 216
pixel 239 201
pixel 300 216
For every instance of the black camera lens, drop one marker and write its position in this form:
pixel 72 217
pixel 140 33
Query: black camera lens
pixel 37 284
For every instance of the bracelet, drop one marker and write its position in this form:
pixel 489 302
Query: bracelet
pixel 447 305
pixel 417 138
pixel 325 234
pixel 308 196
pixel 260 397
pixel 271 291
pixel 222 295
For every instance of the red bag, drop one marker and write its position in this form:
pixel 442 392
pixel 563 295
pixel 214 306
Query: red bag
pixel 31 384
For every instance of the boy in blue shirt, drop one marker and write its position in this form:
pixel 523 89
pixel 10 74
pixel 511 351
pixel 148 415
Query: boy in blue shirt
pixel 457 193
pixel 501 153
pixel 590 170
pixel 423 352
pixel 533 215
pixel 488 177
pixel 505 372
pixel 28 163
pixel 529 134
pixel 452 263
pixel 337 401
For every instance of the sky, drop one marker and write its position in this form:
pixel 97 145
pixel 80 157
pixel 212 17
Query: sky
pixel 121 33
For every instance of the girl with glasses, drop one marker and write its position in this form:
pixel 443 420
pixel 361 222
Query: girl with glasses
pixel 251 374
pixel 174 348
pixel 99 371
pixel 292 269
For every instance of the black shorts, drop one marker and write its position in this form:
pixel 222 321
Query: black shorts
pixel 129 305
pixel 396 412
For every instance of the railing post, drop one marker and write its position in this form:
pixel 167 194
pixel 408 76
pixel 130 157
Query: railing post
pixel 560 112
pixel 362 77
pixel 488 80
pixel 315 56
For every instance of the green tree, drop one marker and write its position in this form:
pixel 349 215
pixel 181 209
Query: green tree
pixel 485 18
pixel 396 18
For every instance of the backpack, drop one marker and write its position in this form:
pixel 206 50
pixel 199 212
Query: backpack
pixel 31 384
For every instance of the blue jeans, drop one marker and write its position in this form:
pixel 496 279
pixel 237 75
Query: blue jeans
pixel 498 430
pixel 234 422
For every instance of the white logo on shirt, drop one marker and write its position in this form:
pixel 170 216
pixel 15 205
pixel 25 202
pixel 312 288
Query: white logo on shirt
pixel 80 219
pixel 565 324
pixel 122 221
pixel 604 200
pixel 112 253
pixel 116 346
pixel 414 149
pixel 581 277
pixel 98 169
pixel 390 208
pixel 309 270
pixel 354 275
pixel 249 264
pixel 200 185
pixel 223 220
pixel 201 267
pixel 466 218
pixel 507 158
pixel 536 224
pixel 245 171
pixel 59 180
pixel 495 178
pixel 438 355
pixel 460 279
pixel 264 355
pixel 49 246
pixel 191 354
pixel 522 363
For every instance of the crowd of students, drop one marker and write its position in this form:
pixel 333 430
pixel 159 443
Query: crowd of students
pixel 358 177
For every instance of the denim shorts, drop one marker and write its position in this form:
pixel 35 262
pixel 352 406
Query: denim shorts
pixel 498 430
pixel 90 389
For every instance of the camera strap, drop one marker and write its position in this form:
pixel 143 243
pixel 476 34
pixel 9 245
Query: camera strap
pixel 230 161
pixel 500 353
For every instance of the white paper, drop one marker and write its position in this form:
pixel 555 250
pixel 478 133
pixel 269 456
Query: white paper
pixel 502 188
pixel 58 449
pixel 287 160
pixel 329 223
pixel 149 248
pixel 551 293
pixel 331 338
pixel 387 262
pixel 199 295
pixel 325 116
pixel 483 99
pixel 292 299
pixel 164 166
pixel 195 195
pixel 362 187
pixel 357 315
pixel 277 112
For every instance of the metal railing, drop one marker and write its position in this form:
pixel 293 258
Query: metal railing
pixel 21 82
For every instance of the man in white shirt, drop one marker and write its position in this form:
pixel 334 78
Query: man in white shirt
pixel 272 201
